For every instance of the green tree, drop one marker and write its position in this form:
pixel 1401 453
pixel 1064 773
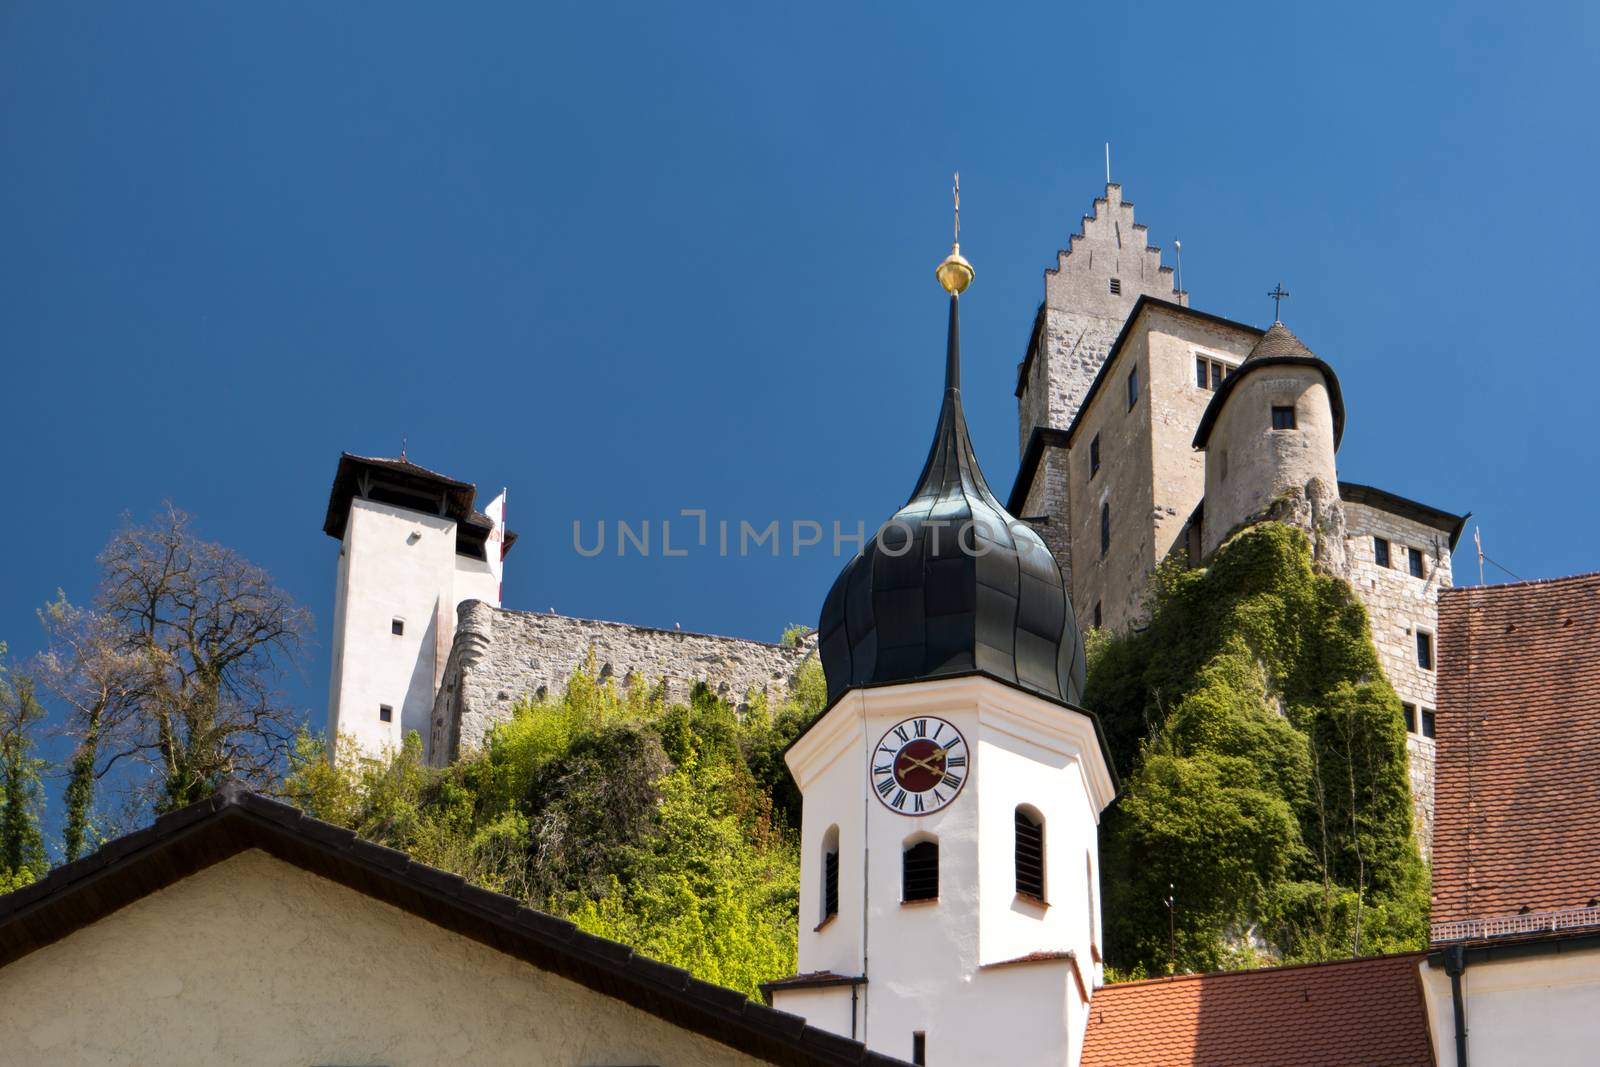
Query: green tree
pixel 22 853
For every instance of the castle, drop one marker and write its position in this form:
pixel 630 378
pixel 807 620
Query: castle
pixel 1149 430
pixel 953 785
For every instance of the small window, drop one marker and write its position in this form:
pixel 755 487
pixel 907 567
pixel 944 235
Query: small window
pixel 397 627
pixel 919 1047
pixel 1094 456
pixel 1105 528
pixel 919 872
pixel 1414 558
pixel 1030 855
pixel 1380 551
pixel 1410 713
pixel 1427 722
pixel 1218 372
pixel 1133 388
pixel 385 713
pixel 1202 372
pixel 1116 286
pixel 1282 418
pixel 1097 614
pixel 830 873
pixel 1425 650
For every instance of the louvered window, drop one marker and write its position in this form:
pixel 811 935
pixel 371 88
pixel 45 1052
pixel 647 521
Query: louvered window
pixel 920 872
pixel 1030 856
pixel 830 884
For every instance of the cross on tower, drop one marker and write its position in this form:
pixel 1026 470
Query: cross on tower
pixel 1278 293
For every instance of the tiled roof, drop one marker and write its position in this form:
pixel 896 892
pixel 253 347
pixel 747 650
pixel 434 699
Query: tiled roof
pixel 1516 793
pixel 1279 340
pixel 204 833
pixel 1366 1011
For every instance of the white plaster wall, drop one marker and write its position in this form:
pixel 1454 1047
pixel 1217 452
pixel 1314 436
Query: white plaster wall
pixel 395 563
pixel 827 1008
pixel 1530 1009
pixel 927 964
pixel 254 961
pixel 1248 463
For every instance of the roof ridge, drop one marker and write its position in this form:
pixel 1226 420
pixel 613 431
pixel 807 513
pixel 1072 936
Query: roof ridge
pixel 1173 979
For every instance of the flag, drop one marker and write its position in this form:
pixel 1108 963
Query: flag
pixel 494 549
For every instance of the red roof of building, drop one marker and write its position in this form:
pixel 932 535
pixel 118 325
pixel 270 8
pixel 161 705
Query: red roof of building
pixel 1366 1011
pixel 1516 793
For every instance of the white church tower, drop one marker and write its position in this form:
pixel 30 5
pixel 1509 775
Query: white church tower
pixel 411 549
pixel 949 903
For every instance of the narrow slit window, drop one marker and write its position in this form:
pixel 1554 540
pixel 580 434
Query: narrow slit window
pixel 1425 650
pixel 1030 855
pixel 1380 551
pixel 397 627
pixel 830 883
pixel 919 876
pixel 1097 615
pixel 385 713
pixel 1105 528
pixel 1282 418
pixel 1410 713
pixel 919 1047
pixel 1094 456
pixel 1133 388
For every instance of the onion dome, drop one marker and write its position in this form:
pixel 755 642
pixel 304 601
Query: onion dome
pixel 952 584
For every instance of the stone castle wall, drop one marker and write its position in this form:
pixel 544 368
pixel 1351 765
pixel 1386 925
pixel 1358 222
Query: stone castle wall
pixel 1398 606
pixel 501 657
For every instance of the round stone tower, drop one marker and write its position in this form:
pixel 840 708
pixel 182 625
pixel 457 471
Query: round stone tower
pixel 1269 435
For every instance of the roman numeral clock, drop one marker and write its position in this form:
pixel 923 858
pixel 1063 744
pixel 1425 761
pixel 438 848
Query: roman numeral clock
pixel 919 766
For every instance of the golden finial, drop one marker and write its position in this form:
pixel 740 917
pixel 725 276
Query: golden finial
pixel 955 273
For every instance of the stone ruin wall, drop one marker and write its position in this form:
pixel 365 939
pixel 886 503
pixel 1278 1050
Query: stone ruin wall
pixel 501 657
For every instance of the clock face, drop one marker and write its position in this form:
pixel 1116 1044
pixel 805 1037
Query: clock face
pixel 919 766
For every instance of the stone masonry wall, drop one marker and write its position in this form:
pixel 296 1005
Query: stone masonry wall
pixel 1398 606
pixel 500 657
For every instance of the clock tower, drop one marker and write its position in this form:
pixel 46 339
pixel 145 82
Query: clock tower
pixel 949 902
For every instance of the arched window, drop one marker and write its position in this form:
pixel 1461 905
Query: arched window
pixel 919 872
pixel 1030 853
pixel 830 873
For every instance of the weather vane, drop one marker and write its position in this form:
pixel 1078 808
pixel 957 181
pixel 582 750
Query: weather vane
pixel 1277 294
pixel 956 192
pixel 955 273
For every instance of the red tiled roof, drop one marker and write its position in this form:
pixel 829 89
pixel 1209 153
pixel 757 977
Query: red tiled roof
pixel 1516 793
pixel 1366 1011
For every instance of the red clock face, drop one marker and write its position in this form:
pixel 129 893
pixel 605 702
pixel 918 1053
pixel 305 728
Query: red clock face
pixel 919 766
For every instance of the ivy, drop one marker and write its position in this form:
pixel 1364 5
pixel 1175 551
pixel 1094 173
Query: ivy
pixel 1266 810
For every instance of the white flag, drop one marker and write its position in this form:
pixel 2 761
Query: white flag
pixel 494 548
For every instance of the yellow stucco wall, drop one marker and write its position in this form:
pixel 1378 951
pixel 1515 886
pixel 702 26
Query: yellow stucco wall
pixel 254 961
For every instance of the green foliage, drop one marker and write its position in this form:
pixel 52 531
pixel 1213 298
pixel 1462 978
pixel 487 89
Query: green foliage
pixel 22 854
pixel 668 827
pixel 1264 767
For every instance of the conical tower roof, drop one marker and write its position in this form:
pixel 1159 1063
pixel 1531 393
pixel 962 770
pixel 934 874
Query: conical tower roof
pixel 1279 340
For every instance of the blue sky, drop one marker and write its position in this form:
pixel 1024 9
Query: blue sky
pixel 631 259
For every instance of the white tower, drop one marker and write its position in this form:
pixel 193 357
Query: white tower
pixel 411 549
pixel 949 901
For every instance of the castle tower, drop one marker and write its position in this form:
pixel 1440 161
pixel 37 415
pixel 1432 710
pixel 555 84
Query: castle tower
pixel 1097 280
pixel 1269 435
pixel 952 790
pixel 411 548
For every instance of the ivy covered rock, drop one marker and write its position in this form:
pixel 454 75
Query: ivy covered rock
pixel 1265 813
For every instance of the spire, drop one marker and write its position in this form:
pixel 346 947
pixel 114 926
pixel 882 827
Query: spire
pixel 955 273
